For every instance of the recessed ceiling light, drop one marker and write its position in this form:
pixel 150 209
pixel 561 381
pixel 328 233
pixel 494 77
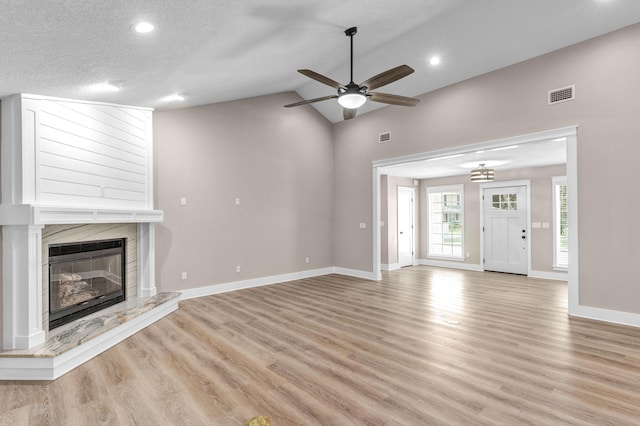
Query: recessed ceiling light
pixel 143 27
pixel 435 60
pixel 108 86
pixel 176 97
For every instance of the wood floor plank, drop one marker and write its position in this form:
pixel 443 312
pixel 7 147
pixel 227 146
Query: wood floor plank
pixel 424 346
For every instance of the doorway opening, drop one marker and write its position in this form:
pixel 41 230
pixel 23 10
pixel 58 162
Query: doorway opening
pixel 406 234
pixel 532 141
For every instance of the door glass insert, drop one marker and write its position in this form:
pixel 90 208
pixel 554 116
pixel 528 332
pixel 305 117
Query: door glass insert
pixel 504 201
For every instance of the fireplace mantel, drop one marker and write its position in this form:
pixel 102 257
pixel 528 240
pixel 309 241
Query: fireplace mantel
pixel 68 162
pixel 50 215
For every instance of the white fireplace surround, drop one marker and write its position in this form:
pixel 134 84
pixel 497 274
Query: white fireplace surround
pixel 68 162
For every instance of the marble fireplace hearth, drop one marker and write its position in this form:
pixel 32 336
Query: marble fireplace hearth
pixel 75 343
pixel 70 345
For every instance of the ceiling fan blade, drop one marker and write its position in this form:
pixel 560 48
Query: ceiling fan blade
pixel 387 98
pixel 310 101
pixel 349 113
pixel 321 78
pixel 389 76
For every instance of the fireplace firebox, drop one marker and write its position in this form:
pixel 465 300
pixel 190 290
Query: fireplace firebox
pixel 85 277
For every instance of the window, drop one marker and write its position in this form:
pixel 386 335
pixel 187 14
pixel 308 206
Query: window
pixel 445 219
pixel 560 223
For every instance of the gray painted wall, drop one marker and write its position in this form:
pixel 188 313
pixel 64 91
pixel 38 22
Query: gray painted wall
pixel 277 161
pixel 511 102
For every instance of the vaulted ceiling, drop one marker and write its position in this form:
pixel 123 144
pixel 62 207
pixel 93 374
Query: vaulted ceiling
pixel 215 51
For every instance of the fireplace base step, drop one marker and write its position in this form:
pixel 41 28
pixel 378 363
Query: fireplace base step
pixel 73 344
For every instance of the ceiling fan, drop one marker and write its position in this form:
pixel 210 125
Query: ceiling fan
pixel 352 96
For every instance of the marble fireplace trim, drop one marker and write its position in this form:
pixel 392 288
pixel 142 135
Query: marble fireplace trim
pixel 22 278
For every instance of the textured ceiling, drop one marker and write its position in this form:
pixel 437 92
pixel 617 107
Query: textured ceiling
pixel 214 51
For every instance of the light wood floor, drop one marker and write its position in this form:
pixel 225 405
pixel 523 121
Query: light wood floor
pixel 424 346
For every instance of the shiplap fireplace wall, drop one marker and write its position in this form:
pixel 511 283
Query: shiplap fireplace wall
pixel 67 162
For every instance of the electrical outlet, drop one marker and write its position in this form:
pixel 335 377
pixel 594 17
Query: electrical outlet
pixel 237 201
pixel 183 201
pixel 306 260
pixel 184 275
pixel 238 268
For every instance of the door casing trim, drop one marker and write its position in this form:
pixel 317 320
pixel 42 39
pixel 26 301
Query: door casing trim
pixel 524 182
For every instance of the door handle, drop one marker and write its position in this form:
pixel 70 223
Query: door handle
pixel 524 238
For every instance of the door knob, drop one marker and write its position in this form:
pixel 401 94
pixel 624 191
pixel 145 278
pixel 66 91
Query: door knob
pixel 524 238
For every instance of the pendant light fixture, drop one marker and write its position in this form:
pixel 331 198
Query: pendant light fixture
pixel 482 174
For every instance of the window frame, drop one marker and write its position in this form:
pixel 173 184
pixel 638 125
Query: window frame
pixel 459 188
pixel 556 182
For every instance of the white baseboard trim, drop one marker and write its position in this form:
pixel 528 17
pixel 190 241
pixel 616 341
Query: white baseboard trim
pixel 355 273
pixel 451 264
pixel 389 267
pixel 606 315
pixel 558 276
pixel 254 282
pixel 274 279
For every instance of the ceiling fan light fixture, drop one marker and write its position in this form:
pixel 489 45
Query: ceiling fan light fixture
pixel 482 174
pixel 352 100
pixel 352 96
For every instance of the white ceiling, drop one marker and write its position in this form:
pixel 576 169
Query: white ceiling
pixel 214 51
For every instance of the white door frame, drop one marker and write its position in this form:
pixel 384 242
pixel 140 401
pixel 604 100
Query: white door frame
pixel 526 183
pixel 571 133
pixel 413 220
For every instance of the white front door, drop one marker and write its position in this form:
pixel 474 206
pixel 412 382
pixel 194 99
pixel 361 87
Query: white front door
pixel 405 226
pixel 505 229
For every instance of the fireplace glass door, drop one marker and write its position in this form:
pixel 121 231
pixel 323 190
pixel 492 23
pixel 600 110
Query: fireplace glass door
pixel 84 278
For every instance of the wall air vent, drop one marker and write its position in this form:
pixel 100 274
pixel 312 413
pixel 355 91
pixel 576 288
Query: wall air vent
pixel 384 137
pixel 561 95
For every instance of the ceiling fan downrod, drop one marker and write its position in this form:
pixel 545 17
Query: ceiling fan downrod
pixel 350 33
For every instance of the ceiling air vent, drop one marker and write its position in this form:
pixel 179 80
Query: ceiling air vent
pixel 561 95
pixel 384 137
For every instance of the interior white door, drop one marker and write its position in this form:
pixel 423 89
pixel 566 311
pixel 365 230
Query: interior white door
pixel 505 229
pixel 405 226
